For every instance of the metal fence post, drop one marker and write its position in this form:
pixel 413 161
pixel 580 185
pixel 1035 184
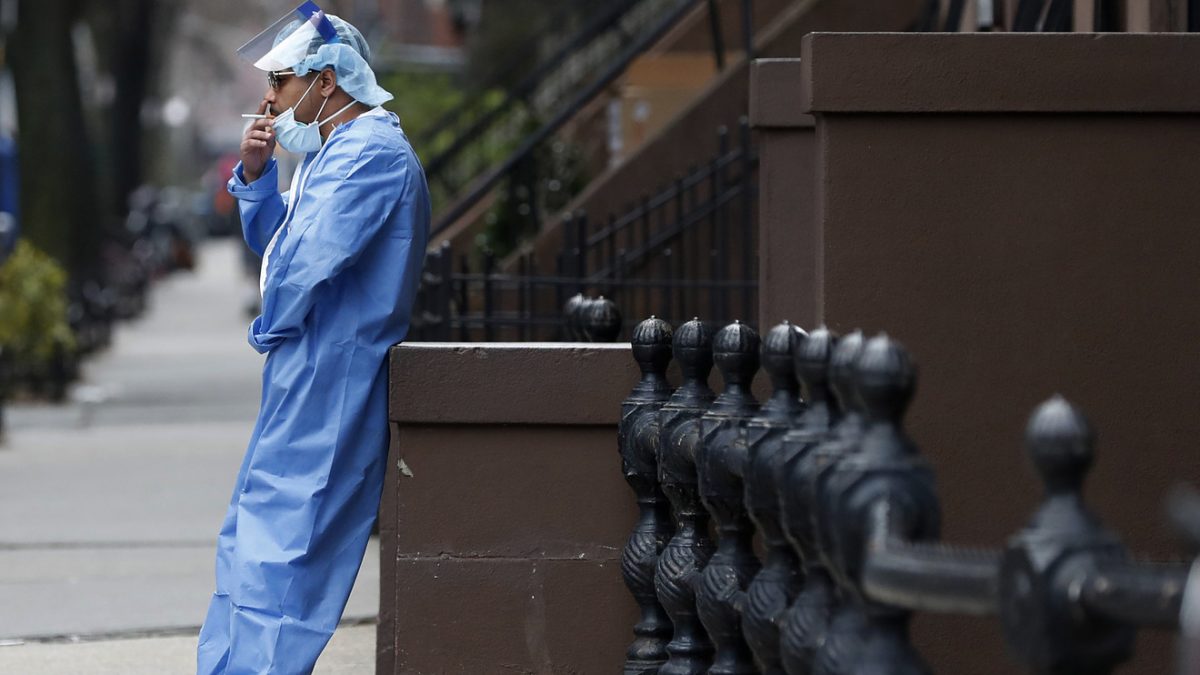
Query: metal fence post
pixel 489 266
pixel 648 293
pixel 680 264
pixel 845 627
pixel 611 240
pixel 808 613
pixel 748 28
pixel 560 274
pixel 1062 537
pixel 885 482
pixel 531 297
pixel 718 38
pixel 668 285
pixel 775 586
pixel 638 441
pixel 690 650
pixel 720 460
pixel 581 251
pixel 446 290
pixel 464 302
pixel 691 244
pixel 720 224
pixel 522 308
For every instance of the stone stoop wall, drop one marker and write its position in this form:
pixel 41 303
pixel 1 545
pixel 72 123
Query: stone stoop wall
pixel 501 552
pixel 1020 211
pixel 786 192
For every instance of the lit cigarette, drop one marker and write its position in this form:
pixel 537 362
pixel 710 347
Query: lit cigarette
pixel 254 116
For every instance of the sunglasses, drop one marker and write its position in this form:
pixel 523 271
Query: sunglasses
pixel 276 77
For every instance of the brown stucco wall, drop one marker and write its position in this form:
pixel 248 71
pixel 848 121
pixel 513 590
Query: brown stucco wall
pixel 501 553
pixel 1019 211
pixel 786 192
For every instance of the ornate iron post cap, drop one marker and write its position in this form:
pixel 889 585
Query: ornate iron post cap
pixel 573 314
pixel 811 359
pixel 778 346
pixel 651 344
pixel 1060 442
pixel 735 352
pixel 692 345
pixel 601 320
pixel 782 339
pixel 842 363
pixel 1046 566
pixel 886 378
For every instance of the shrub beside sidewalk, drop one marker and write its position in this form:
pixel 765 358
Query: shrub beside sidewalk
pixel 35 336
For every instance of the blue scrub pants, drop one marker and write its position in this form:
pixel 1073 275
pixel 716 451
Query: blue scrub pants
pixel 282 582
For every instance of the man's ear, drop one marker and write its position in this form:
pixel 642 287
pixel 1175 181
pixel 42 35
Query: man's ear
pixel 328 82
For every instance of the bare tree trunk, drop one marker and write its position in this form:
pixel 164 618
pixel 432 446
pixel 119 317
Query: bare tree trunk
pixel 130 42
pixel 58 195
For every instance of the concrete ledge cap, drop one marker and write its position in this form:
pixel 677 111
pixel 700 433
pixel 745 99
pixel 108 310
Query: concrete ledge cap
pixel 1000 72
pixel 509 382
pixel 776 97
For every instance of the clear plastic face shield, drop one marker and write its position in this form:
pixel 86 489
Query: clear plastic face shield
pixel 286 42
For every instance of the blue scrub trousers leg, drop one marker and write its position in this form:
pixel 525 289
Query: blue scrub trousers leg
pixel 212 654
pixel 293 567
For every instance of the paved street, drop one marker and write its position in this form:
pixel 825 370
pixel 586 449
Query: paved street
pixel 109 504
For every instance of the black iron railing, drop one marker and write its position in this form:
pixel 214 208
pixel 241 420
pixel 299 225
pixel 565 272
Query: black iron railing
pixel 701 226
pixel 517 68
pixel 1051 16
pixel 465 157
pixel 689 248
pixel 849 516
pixel 563 109
pixel 1031 16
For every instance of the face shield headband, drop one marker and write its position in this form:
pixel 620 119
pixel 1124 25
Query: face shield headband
pixel 286 42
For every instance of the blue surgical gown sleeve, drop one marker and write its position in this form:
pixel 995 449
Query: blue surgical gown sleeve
pixel 261 205
pixel 346 201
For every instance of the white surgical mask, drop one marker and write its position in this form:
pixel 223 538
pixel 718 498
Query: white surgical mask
pixel 301 136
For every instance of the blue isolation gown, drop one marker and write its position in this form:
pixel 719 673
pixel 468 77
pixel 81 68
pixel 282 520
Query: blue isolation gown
pixel 344 265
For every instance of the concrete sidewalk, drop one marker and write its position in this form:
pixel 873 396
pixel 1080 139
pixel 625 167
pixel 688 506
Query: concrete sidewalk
pixel 110 504
pixel 350 652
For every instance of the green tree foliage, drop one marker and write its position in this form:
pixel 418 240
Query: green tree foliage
pixel 539 187
pixel 508 39
pixel 422 97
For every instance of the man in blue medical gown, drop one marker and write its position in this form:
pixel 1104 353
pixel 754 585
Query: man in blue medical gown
pixel 342 251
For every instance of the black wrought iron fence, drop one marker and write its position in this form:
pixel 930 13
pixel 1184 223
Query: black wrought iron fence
pixel 689 248
pixel 1028 16
pixel 849 516
pixel 477 127
pixel 520 68
pixel 1053 16
pixel 639 31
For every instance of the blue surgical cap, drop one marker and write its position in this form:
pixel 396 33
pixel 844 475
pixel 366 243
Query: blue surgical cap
pixel 348 57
